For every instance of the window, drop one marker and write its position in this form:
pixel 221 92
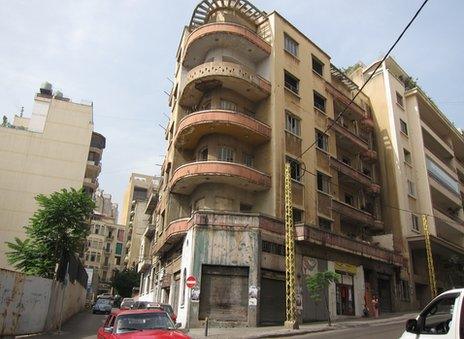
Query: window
pixel 118 248
pixel 319 101
pixel 272 247
pixel 248 160
pixel 228 105
pixel 290 45
pixel 118 260
pixel 325 224
pixel 92 257
pixel 322 141
pixel 403 126
pixel 415 222
pixel 297 216
pixel 295 169
pixel 323 182
pixel 399 99
pixel 437 317
pixel 318 65
pixel 411 188
pixel 292 124
pixel 97 229
pixel 226 154
pixel 407 156
pixel 291 82
pixel 203 154
pixel 349 199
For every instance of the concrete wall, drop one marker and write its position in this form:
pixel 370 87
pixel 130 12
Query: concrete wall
pixel 32 304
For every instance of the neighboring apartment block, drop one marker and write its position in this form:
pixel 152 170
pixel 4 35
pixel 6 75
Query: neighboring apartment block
pixel 251 93
pixel 104 252
pixel 133 215
pixel 423 174
pixel 55 148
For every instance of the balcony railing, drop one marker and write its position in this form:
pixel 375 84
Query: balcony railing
pixel 349 171
pixel 440 175
pixel 195 125
pixel 224 35
pixel 336 241
pixel 223 74
pixel 350 136
pixel 190 175
pixel 357 215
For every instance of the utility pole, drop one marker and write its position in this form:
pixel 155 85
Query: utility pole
pixel 290 295
pixel 428 249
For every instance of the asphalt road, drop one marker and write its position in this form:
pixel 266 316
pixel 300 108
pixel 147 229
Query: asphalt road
pixel 376 331
pixel 82 326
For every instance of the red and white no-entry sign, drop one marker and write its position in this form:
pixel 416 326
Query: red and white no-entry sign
pixel 191 281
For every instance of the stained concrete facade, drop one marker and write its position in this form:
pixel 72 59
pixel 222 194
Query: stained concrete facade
pixel 53 149
pixel 251 93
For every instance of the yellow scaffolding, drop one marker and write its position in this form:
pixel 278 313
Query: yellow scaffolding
pixel 428 250
pixel 291 316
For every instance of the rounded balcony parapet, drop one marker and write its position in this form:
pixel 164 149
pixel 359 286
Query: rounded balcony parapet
pixel 244 127
pixel 190 175
pixel 224 35
pixel 229 75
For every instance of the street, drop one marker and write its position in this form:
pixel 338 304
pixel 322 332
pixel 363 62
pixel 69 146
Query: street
pixel 83 325
pixel 377 331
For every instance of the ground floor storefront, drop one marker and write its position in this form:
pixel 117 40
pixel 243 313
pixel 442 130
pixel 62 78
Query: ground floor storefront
pixel 238 262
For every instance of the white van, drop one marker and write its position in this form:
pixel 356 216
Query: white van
pixel 443 318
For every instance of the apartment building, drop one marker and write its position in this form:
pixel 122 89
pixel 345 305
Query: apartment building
pixel 133 215
pixel 151 279
pixel 55 148
pixel 423 174
pixel 251 93
pixel 104 250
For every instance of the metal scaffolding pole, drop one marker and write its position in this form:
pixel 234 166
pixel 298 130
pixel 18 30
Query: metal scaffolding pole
pixel 290 295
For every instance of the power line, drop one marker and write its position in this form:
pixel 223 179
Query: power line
pixel 370 77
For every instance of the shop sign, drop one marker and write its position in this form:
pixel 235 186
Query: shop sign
pixel 345 267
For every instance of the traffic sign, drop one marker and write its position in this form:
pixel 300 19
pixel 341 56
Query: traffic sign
pixel 191 281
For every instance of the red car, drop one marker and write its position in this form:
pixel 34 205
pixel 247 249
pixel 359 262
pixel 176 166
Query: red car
pixel 133 324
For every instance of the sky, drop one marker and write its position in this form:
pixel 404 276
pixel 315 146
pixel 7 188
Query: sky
pixel 120 54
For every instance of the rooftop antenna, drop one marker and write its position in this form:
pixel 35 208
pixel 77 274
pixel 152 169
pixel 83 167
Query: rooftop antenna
pixel 22 111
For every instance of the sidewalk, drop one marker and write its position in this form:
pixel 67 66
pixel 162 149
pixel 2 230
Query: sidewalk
pixel 280 331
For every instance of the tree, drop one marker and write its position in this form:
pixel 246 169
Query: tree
pixel 125 280
pixel 56 231
pixel 317 285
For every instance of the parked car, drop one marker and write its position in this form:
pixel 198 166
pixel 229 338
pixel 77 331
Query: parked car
pixel 102 306
pixel 126 303
pixel 152 305
pixel 443 317
pixel 105 296
pixel 141 323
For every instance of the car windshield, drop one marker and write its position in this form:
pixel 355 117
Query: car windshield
pixel 103 301
pixel 143 321
pixel 168 309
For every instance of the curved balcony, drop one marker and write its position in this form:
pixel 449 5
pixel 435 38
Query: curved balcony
pixel 345 135
pixel 243 127
pixel 98 141
pixel 171 235
pixel 354 175
pixel 230 36
pixel 92 169
pixel 215 74
pixel 90 183
pixel 189 176
pixel 369 155
pixel 356 215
